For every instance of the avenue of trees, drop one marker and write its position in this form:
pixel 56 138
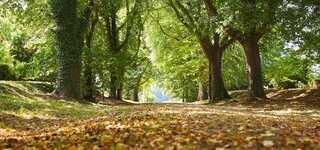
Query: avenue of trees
pixel 194 49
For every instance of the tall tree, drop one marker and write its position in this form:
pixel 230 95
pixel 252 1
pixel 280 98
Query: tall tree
pixel 69 42
pixel 212 42
pixel 88 75
pixel 118 34
pixel 250 21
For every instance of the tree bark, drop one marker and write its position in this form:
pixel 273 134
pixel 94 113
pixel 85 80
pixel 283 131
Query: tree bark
pixel 254 68
pixel 113 86
pixel 135 96
pixel 116 86
pixel 69 48
pixel 89 83
pixel 88 73
pixel 119 93
pixel 210 82
pixel 217 90
pixel 202 92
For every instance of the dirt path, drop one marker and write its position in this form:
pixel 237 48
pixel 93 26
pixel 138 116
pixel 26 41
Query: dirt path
pixel 178 126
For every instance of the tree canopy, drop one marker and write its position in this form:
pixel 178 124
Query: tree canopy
pixel 123 48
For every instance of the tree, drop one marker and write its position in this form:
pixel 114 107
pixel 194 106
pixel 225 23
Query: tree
pixel 212 42
pixel 247 21
pixel 179 60
pixel 118 34
pixel 139 71
pixel 69 44
pixel 89 77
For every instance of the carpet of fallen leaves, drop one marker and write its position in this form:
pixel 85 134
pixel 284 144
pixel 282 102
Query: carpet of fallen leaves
pixel 169 126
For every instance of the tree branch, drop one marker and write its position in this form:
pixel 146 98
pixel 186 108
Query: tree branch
pixel 235 34
pixel 212 11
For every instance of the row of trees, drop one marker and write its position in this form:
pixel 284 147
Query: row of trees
pixel 88 47
pixel 122 24
pixel 196 49
pixel 220 25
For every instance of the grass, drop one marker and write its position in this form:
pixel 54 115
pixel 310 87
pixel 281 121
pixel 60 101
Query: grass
pixel 26 108
pixel 26 98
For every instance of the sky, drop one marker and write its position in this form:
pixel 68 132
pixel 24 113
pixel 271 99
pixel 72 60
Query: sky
pixel 159 94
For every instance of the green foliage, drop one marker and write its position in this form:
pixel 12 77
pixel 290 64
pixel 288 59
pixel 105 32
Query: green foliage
pixel 234 68
pixel 19 51
pixel 180 62
pixel 154 47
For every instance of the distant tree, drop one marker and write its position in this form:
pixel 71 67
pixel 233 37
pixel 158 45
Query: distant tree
pixel 119 32
pixel 88 74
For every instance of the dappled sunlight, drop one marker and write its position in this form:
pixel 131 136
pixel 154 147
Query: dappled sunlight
pixel 234 111
pixel 37 121
pixel 163 74
pixel 174 122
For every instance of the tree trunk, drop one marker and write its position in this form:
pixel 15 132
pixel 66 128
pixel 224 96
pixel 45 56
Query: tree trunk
pixel 69 48
pixel 89 83
pixel 88 73
pixel 183 95
pixel 214 53
pixel 135 96
pixel 187 95
pixel 116 85
pixel 219 91
pixel 205 92
pixel 202 92
pixel 210 82
pixel 254 68
pixel 113 86
pixel 317 84
pixel 119 93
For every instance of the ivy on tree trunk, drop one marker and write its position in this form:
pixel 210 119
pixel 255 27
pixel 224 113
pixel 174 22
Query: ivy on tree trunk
pixel 69 48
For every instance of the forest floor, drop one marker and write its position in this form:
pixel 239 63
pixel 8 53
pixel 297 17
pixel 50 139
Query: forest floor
pixel 290 119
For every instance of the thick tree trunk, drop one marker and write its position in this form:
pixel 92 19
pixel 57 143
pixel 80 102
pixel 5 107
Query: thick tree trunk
pixel 69 48
pixel 214 53
pixel 219 91
pixel 254 68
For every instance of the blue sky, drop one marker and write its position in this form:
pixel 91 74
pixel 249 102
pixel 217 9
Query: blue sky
pixel 159 94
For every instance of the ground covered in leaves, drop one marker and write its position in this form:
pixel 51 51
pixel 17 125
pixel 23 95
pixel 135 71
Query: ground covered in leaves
pixel 33 122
